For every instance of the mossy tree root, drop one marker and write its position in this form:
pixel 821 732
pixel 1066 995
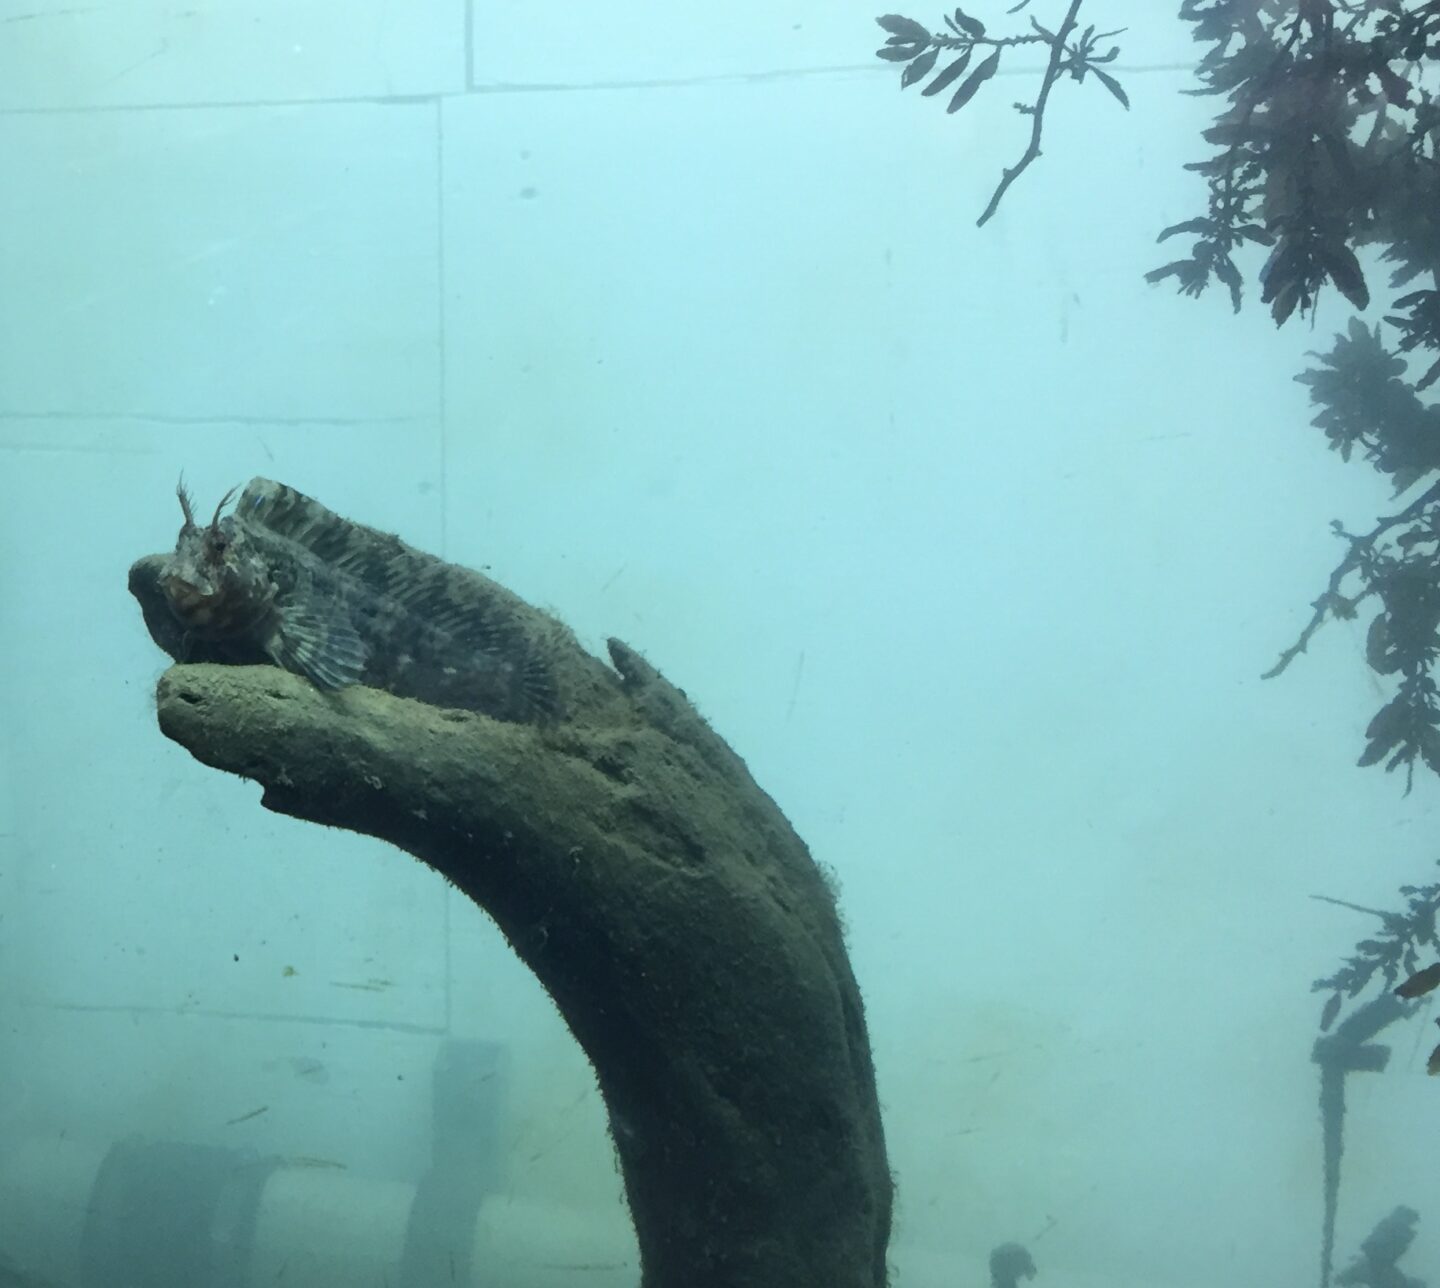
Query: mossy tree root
pixel 664 902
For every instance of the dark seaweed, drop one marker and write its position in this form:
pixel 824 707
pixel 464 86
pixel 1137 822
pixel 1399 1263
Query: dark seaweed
pixel 1072 55
pixel 1327 152
pixel 1323 173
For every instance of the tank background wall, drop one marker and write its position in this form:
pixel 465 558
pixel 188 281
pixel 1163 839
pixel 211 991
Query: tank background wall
pixel 676 321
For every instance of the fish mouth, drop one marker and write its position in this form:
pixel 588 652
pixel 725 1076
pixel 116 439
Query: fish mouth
pixel 184 594
pixel 196 606
pixel 213 607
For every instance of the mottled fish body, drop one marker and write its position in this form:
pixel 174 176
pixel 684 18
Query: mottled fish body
pixel 283 579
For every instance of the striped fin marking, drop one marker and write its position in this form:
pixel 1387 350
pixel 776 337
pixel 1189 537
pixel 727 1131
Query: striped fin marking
pixel 419 584
pixel 326 651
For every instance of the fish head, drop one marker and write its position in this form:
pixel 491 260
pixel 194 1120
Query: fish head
pixel 215 582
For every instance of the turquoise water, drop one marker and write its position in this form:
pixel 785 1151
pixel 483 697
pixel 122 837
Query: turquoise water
pixel 973 545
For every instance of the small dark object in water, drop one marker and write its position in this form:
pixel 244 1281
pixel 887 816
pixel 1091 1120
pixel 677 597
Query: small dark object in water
pixel 1376 1266
pixel 284 580
pixel 1009 1264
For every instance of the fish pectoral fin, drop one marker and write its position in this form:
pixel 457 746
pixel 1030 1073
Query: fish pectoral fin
pixel 325 650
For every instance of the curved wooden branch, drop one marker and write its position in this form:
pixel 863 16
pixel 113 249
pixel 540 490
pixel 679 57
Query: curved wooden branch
pixel 661 898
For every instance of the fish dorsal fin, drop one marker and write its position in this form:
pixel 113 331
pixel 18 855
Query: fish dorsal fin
pixel 441 596
pixel 437 600
pixel 326 651
pixel 286 513
pixel 356 602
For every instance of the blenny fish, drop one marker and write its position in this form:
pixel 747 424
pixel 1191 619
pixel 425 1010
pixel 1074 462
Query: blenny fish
pixel 283 579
